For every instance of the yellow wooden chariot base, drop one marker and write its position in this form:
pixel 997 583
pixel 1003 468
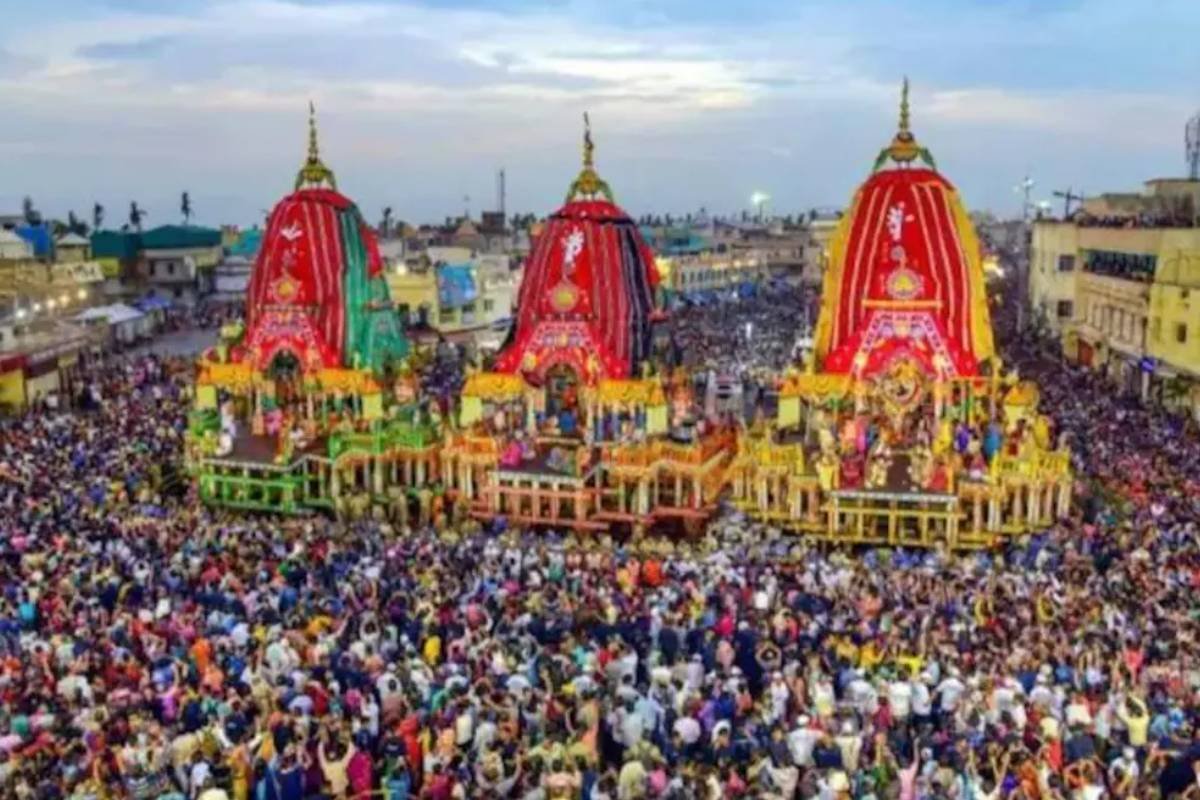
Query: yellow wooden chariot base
pixel 765 472
pixel 1019 495
pixel 659 479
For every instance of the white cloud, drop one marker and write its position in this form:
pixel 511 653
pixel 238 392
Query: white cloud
pixel 795 102
pixel 1143 119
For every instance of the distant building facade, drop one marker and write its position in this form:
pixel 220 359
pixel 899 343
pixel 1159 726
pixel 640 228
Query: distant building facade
pixel 178 262
pixel 1120 283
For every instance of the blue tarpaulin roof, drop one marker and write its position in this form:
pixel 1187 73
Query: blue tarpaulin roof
pixel 38 236
pixel 456 285
pixel 153 302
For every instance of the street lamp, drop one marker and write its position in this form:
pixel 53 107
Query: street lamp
pixel 759 201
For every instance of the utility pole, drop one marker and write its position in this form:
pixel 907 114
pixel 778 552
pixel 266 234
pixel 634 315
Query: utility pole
pixel 1025 188
pixel 500 194
pixel 1068 198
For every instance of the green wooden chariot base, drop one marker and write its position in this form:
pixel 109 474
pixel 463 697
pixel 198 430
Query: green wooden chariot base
pixel 390 460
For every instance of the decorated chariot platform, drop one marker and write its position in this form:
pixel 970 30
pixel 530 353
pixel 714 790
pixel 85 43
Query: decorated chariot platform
pixel 572 427
pixel 903 428
pixel 310 404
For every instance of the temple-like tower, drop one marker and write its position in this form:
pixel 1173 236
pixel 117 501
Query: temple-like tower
pixel 587 293
pixel 905 276
pixel 317 291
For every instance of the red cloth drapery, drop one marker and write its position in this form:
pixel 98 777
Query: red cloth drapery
pixel 588 283
pixel 905 268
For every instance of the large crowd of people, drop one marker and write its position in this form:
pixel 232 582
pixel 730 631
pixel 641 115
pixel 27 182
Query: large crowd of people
pixel 151 648
pixel 1183 217
pixel 757 334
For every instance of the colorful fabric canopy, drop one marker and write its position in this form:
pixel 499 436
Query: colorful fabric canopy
pixel 586 296
pixel 319 257
pixel 905 281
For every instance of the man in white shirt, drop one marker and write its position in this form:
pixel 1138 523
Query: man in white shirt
pixel 862 695
pixel 949 692
pixel 850 743
pixel 801 741
pixel 688 730
pixel 899 694
pixel 922 700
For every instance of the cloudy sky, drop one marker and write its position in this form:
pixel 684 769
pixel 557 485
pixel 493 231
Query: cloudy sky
pixel 693 102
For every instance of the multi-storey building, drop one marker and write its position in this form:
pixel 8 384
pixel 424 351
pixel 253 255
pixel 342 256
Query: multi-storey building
pixel 1121 293
pixel 458 293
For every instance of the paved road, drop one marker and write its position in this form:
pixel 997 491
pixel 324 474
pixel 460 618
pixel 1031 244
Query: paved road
pixel 180 343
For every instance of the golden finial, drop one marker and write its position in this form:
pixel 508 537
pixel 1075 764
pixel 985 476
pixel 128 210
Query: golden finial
pixel 588 147
pixel 313 152
pixel 904 148
pixel 588 185
pixel 314 173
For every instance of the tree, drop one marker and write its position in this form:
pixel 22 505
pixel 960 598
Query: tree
pixel 76 225
pixel 97 216
pixel 185 207
pixel 385 224
pixel 136 215
pixel 31 214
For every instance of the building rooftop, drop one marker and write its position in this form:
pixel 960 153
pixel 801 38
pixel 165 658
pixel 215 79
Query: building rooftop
pixel 116 244
pixel 248 243
pixel 171 237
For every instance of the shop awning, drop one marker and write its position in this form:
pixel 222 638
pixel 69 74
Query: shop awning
pixel 116 314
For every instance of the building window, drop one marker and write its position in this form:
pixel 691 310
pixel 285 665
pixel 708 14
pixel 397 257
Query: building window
pixel 1066 262
pixel 170 267
pixel 446 315
pixel 1128 266
pixel 1181 332
pixel 1065 309
pixel 151 269
pixel 488 305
